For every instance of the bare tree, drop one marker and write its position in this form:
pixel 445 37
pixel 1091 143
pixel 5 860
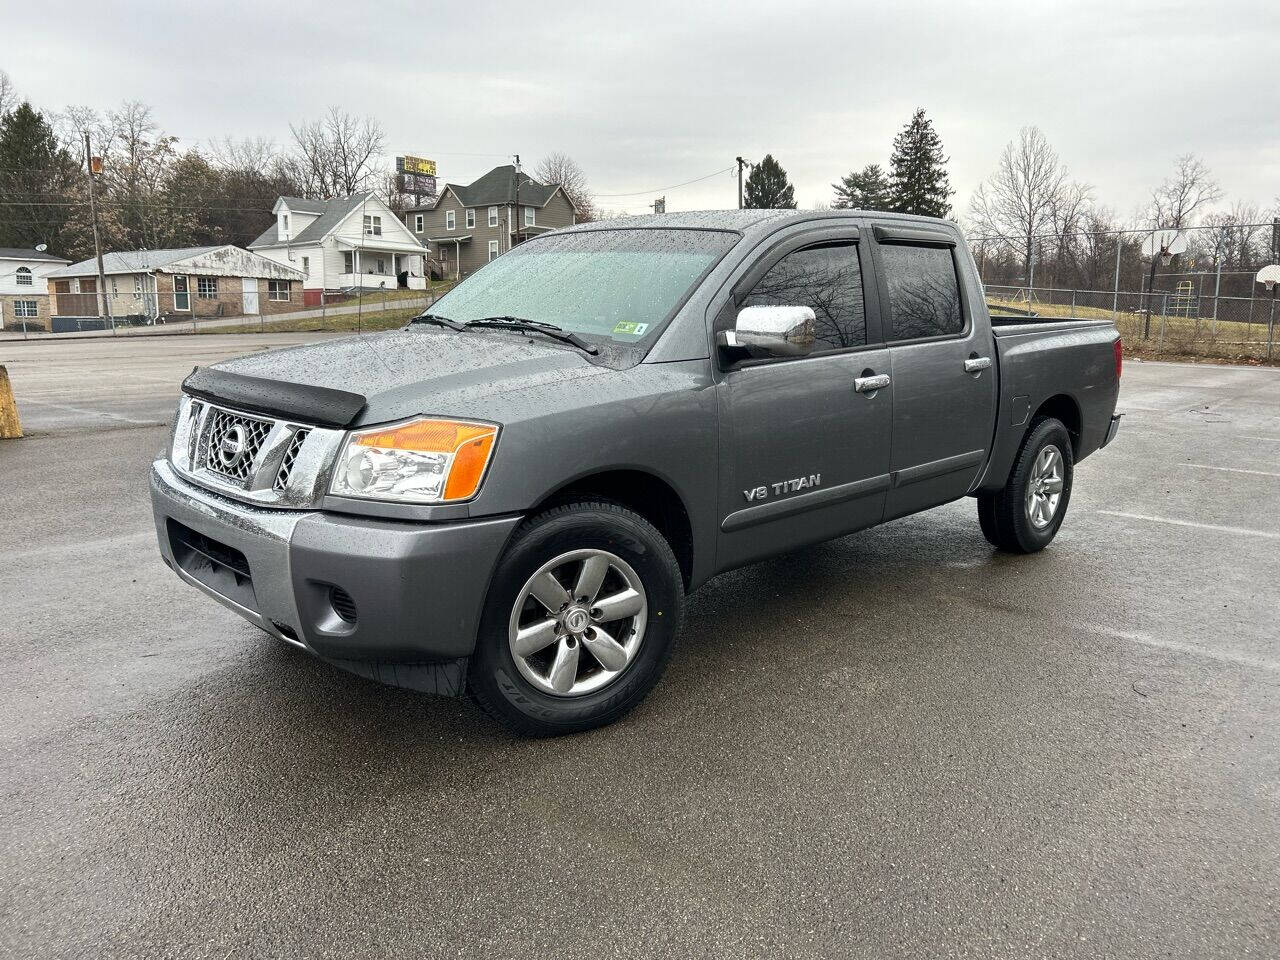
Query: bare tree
pixel 1177 201
pixel 1017 202
pixel 562 169
pixel 338 154
pixel 8 94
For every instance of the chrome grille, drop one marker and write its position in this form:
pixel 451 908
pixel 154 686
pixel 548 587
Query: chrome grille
pixel 193 440
pixel 290 455
pixel 249 431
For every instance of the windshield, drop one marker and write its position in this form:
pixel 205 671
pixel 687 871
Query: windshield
pixel 620 284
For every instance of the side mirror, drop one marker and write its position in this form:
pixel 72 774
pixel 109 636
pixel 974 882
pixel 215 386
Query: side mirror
pixel 772 331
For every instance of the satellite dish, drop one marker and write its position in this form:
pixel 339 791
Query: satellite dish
pixel 1269 275
pixel 1165 243
pixel 41 247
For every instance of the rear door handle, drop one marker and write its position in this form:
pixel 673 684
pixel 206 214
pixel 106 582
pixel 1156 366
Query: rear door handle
pixel 871 384
pixel 975 364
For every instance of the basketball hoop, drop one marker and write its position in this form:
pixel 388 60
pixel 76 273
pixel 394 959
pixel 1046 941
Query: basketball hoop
pixel 1165 244
pixel 1269 276
pixel 1166 258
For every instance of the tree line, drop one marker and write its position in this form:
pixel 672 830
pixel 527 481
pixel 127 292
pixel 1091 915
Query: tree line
pixel 153 194
pixel 1032 222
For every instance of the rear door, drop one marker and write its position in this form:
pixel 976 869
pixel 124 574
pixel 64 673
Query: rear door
pixel 943 369
pixel 804 456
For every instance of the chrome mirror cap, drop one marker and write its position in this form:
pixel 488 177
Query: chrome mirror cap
pixel 772 331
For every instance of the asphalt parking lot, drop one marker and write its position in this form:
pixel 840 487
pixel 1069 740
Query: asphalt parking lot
pixel 895 744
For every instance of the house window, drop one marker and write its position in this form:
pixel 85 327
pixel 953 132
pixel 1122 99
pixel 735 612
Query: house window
pixel 417 223
pixel 278 290
pixel 137 283
pixel 115 287
pixel 450 219
pixel 25 308
pixel 529 217
pixel 382 266
pixel 75 285
pixel 372 226
pixel 493 216
pixel 348 261
pixel 493 250
pixel 284 222
pixel 207 288
pixel 306 266
pixel 471 219
pixel 24 276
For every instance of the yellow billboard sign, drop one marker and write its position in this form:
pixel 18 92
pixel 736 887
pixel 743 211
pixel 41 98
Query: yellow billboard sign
pixel 418 165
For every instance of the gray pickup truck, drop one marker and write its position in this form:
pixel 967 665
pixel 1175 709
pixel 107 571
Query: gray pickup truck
pixel 511 496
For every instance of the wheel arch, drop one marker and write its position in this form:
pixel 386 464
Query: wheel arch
pixel 646 493
pixel 1062 407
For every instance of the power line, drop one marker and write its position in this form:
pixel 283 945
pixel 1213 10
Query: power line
pixel 641 193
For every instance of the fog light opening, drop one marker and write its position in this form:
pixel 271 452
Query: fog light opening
pixel 342 604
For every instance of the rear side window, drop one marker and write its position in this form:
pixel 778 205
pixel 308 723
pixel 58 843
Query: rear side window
pixel 826 278
pixel 924 297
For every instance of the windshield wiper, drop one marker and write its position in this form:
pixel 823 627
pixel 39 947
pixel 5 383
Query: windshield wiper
pixel 437 319
pixel 537 326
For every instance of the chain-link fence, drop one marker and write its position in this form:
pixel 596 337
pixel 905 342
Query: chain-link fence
pixel 1202 299
pixel 194 308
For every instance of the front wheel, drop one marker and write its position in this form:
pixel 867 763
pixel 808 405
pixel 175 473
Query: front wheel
pixel 580 621
pixel 1025 516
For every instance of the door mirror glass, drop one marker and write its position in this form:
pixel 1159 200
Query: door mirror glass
pixel 772 331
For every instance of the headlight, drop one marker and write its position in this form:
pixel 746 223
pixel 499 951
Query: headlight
pixel 422 461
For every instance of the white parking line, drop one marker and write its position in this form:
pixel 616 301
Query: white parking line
pixel 83 411
pixel 1209 466
pixel 1245 436
pixel 1242 531
pixel 1177 647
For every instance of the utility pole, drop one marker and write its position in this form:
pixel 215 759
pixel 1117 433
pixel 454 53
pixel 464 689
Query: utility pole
pixel 659 205
pixel 519 217
pixel 742 164
pixel 104 305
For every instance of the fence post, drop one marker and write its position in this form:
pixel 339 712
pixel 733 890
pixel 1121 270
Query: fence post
pixel 1271 324
pixel 1115 290
pixel 1073 303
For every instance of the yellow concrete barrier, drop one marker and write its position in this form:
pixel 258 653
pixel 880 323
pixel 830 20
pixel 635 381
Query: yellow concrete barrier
pixel 10 428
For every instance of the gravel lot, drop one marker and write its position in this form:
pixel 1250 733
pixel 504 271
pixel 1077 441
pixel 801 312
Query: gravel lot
pixel 895 744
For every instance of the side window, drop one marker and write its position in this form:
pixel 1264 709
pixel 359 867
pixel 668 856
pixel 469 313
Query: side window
pixel 826 278
pixel 924 296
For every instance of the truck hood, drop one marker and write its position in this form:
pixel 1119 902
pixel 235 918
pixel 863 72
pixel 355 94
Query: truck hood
pixel 403 373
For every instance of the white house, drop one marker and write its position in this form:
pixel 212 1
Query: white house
pixel 346 242
pixel 24 290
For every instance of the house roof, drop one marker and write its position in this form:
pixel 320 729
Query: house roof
pixel 303 205
pixel 332 212
pixel 18 253
pixel 498 187
pixel 132 261
pixel 147 261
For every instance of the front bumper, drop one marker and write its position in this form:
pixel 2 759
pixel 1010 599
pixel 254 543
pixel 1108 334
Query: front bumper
pixel 417 589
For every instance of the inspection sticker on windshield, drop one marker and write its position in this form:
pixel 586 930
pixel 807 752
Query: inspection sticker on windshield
pixel 631 329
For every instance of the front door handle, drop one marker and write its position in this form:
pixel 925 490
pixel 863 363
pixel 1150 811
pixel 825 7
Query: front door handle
pixel 976 364
pixel 871 384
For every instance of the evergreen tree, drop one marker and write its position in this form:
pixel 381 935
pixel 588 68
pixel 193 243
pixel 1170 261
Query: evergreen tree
pixel 768 188
pixel 35 174
pixel 867 189
pixel 919 181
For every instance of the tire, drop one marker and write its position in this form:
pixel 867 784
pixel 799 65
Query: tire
pixel 1009 519
pixel 517 691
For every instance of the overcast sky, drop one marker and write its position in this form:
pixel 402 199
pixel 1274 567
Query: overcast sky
pixel 648 94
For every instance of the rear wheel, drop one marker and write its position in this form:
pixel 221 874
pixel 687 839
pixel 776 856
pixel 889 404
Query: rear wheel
pixel 580 621
pixel 1024 517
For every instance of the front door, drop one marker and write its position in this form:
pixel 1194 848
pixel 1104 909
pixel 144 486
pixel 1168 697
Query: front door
pixel 944 390
pixel 181 295
pixel 804 451
pixel 249 290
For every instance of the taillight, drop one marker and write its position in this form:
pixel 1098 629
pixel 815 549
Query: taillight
pixel 1119 348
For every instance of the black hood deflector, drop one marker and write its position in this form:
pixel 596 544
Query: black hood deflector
pixel 321 406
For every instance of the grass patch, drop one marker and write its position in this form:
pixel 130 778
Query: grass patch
pixel 341 323
pixel 1180 337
